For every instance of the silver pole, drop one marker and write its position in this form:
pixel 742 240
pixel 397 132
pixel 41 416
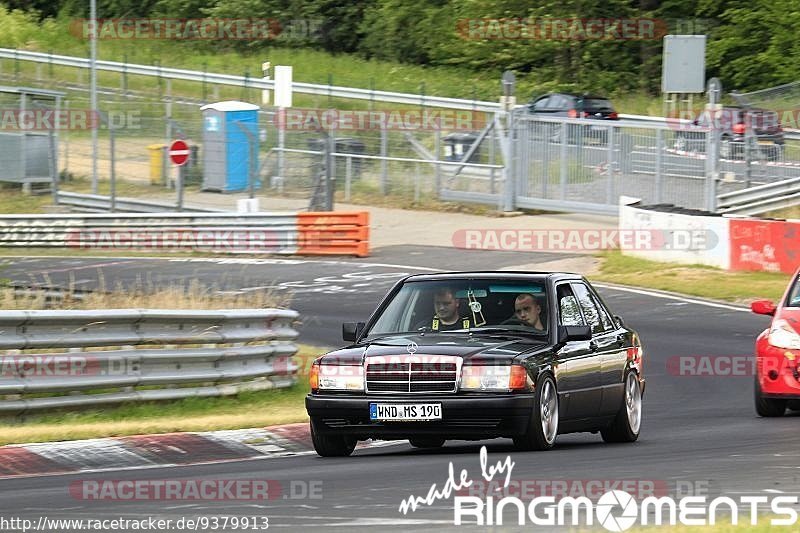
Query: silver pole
pixel 93 87
pixel 113 167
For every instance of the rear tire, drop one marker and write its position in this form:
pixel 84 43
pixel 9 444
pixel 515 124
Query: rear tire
pixel 427 442
pixel 543 423
pixel 768 407
pixel 628 421
pixel 331 445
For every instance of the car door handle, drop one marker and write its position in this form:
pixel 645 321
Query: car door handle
pixel 593 346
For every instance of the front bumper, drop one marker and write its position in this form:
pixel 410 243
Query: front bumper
pixel 463 416
pixel 778 376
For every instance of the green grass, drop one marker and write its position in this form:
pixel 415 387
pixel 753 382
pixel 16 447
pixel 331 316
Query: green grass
pixel 694 280
pixel 310 66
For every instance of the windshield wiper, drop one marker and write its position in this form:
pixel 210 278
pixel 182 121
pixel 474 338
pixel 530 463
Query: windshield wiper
pixel 509 332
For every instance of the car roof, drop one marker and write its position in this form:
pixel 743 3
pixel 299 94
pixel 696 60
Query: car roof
pixel 508 274
pixel 574 95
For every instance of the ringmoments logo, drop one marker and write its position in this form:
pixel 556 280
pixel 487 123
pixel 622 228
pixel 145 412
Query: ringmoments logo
pixel 618 510
pixel 614 510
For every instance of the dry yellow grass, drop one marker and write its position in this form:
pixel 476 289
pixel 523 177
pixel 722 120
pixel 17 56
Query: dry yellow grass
pixel 144 294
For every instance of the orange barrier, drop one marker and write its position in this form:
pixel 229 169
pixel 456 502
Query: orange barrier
pixel 333 233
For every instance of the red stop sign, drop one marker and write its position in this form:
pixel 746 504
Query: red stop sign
pixel 179 152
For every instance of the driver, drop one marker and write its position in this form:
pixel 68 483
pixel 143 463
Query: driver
pixel 527 312
pixel 446 316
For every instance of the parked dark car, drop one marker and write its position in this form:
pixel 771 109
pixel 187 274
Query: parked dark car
pixel 528 356
pixel 731 124
pixel 567 105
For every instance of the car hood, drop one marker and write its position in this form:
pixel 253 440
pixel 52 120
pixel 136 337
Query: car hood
pixel 481 349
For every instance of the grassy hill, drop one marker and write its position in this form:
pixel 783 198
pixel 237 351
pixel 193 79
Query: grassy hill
pixel 20 30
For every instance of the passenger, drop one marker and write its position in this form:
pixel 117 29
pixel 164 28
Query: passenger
pixel 527 312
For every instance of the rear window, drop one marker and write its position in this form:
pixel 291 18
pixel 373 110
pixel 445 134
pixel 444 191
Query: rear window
pixel 599 104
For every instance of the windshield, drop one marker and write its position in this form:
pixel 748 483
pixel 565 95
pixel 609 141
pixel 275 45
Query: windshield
pixel 459 305
pixel 794 294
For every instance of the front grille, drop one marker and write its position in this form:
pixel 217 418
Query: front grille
pixel 426 373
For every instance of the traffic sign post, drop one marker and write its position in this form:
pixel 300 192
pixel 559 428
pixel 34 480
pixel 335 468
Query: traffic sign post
pixel 179 155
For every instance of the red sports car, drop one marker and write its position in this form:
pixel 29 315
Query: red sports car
pixel 777 352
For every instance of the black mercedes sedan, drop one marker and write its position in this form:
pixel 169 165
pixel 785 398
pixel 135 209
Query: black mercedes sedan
pixel 476 355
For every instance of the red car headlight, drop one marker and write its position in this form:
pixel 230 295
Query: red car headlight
pixel 783 335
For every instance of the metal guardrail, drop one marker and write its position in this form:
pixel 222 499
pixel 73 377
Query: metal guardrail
pixel 96 203
pixel 327 233
pixel 183 353
pixel 235 232
pixel 761 199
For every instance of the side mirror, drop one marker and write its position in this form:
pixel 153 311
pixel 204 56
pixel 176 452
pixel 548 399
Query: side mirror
pixel 574 333
pixel 351 330
pixel 619 321
pixel 763 307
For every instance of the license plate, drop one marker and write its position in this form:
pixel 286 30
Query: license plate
pixel 765 142
pixel 405 411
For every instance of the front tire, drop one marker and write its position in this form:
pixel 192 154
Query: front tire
pixel 543 423
pixel 768 407
pixel 331 445
pixel 628 421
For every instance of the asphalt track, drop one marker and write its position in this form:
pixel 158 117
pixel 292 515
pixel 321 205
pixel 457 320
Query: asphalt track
pixel 698 431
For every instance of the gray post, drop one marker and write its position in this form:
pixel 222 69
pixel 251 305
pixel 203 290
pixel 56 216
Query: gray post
pixel 659 165
pixel 437 171
pixel 348 169
pixel 712 149
pixel 93 86
pixel 543 130
pixel 492 142
pixel 113 177
pixel 179 185
pixel 507 83
pixel 281 147
pixel 330 174
pixel 610 182
pixel 509 184
pixel 384 163
pixel 168 140
pixel 563 170
pixel 51 137
pixel 65 136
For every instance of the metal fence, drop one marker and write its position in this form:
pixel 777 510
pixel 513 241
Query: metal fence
pixel 57 359
pixel 506 162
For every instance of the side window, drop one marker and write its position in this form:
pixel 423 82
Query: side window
pixel 541 103
pixel 589 308
pixel 558 102
pixel 569 312
pixel 605 315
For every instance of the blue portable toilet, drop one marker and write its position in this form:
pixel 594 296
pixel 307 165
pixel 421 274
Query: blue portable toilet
pixel 226 147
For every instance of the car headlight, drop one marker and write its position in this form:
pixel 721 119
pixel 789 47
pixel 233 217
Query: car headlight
pixel 783 335
pixel 494 378
pixel 336 377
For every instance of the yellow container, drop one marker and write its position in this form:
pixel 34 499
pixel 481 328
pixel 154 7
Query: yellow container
pixel 156 163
